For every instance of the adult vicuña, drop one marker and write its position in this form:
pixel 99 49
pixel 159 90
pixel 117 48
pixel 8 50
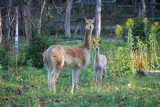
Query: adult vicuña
pixel 74 57
pixel 100 63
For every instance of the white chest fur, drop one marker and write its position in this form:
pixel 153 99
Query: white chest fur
pixel 87 56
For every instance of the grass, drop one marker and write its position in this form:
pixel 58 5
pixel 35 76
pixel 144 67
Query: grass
pixel 28 88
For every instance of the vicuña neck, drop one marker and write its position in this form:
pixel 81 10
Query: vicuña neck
pixel 87 39
pixel 97 56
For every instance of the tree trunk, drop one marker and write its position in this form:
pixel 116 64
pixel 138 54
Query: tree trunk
pixel 40 17
pixel 143 9
pixel 67 19
pixel 8 28
pixel 98 18
pixel 27 20
pixel 153 7
pixel 16 30
pixel 0 28
pixel 139 10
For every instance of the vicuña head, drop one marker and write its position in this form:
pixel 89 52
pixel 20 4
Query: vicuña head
pixel 100 62
pixel 89 24
pixel 74 57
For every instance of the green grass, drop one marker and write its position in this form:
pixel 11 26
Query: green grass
pixel 29 88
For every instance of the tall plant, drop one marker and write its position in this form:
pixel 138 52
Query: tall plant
pixel 153 44
pixel 140 53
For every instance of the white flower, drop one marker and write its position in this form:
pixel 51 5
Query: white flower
pixel 129 85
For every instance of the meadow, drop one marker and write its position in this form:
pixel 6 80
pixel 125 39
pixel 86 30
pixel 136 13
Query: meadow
pixel 125 86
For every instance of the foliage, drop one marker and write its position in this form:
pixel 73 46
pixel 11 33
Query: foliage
pixel 11 60
pixel 35 51
pixel 140 54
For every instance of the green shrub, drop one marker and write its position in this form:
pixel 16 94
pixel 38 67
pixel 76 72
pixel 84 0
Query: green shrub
pixel 141 47
pixel 2 54
pixel 35 51
pixel 11 60
pixel 138 29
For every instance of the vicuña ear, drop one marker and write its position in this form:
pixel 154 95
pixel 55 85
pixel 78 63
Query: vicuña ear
pixel 93 19
pixel 85 19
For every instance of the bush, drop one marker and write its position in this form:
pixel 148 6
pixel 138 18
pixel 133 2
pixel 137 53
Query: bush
pixel 141 47
pixel 11 59
pixel 2 54
pixel 138 29
pixel 35 51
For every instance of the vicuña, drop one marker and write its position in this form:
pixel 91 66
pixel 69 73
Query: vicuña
pixel 100 63
pixel 74 57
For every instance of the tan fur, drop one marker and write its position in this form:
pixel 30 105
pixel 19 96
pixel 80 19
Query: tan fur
pixel 100 65
pixel 74 57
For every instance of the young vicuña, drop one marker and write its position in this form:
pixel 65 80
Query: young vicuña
pixel 100 63
pixel 74 57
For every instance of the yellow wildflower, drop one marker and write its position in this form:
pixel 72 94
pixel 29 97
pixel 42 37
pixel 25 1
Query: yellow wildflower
pixel 118 30
pixel 145 20
pixel 137 37
pixel 130 30
pixel 130 23
pixel 156 24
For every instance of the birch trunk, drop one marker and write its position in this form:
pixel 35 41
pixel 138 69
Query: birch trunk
pixel 139 10
pixel 143 9
pixel 40 18
pixel 27 20
pixel 0 28
pixel 67 19
pixel 153 7
pixel 16 34
pixel 98 18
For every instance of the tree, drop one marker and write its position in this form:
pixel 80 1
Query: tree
pixel 98 19
pixel 67 19
pixel 27 20
pixel 40 17
pixel 143 9
pixel 8 22
pixel 16 30
pixel 0 28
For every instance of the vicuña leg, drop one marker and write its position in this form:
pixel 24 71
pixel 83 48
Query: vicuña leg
pixel 99 77
pixel 95 77
pixel 105 73
pixel 49 79
pixel 73 79
pixel 77 78
pixel 55 76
